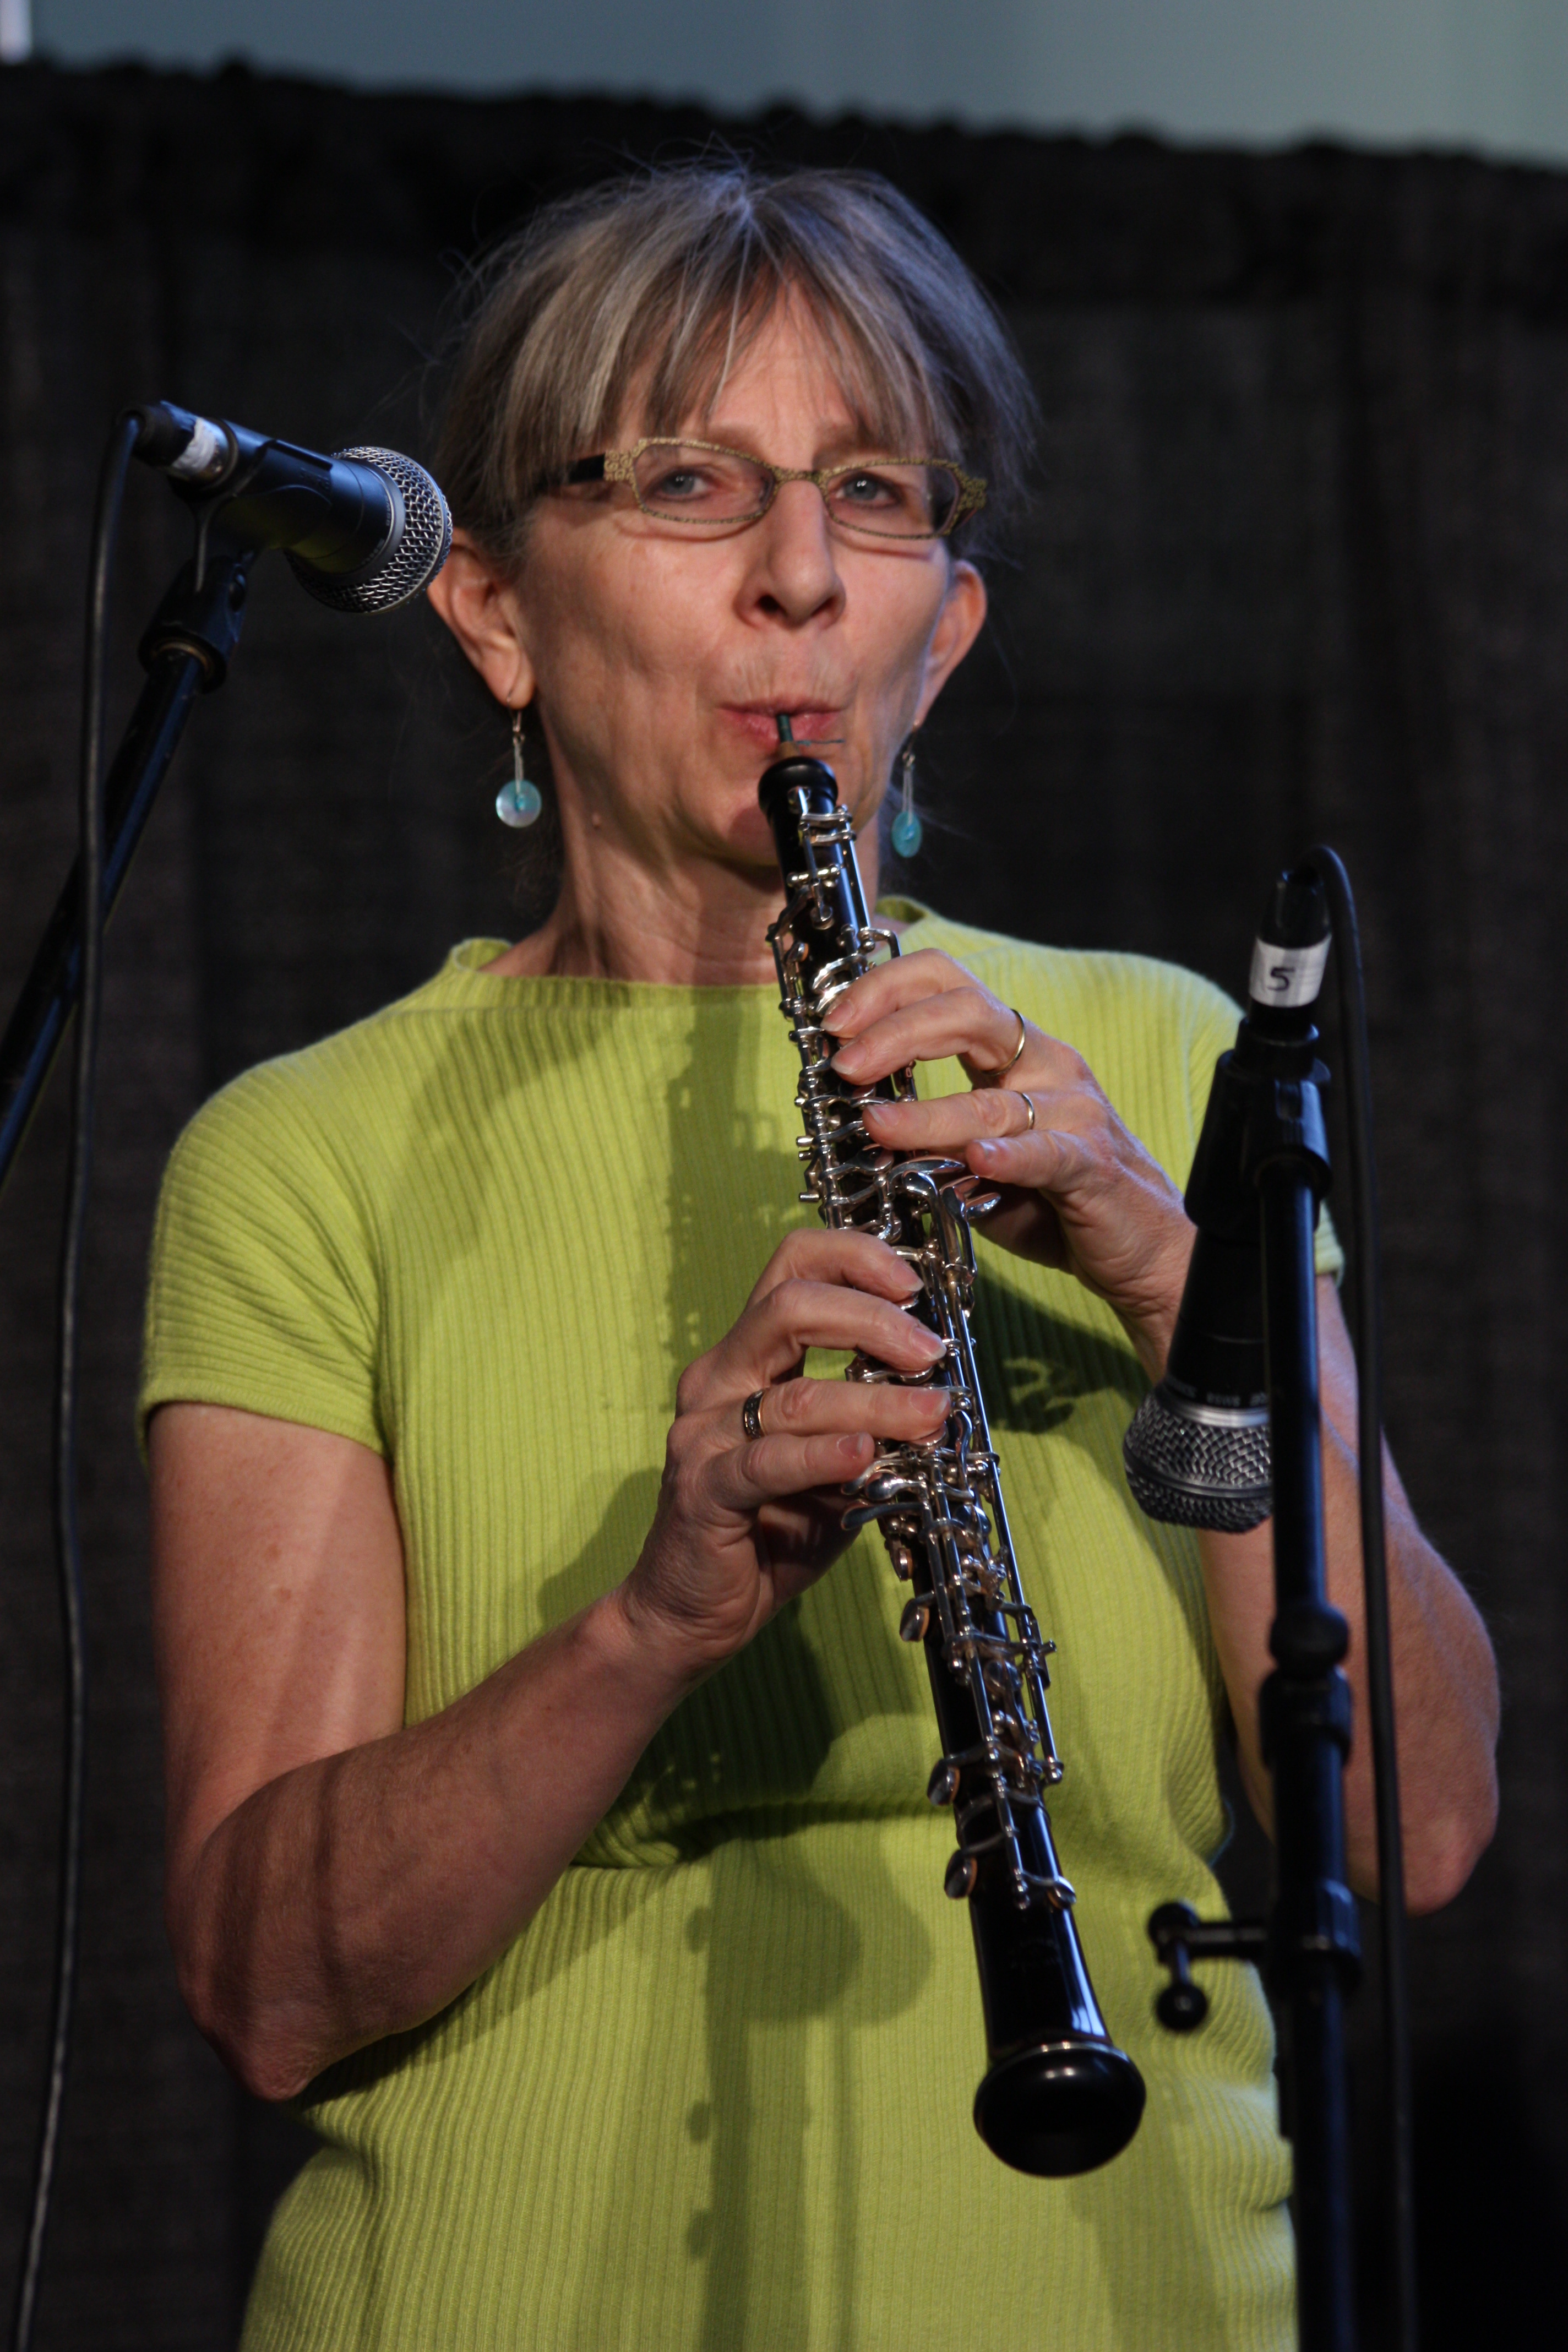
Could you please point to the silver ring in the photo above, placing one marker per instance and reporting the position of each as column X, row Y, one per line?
column 1028, row 1103
column 752, row 1414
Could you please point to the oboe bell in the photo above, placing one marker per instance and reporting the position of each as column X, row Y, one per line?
column 1058, row 2096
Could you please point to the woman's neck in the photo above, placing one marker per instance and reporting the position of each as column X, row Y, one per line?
column 694, row 923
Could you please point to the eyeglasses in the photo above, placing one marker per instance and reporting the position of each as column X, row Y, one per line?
column 712, row 489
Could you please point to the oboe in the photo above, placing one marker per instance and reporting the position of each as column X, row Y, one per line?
column 1058, row 2096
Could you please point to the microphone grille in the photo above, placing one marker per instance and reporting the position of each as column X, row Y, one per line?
column 1199, row 1469
column 414, row 555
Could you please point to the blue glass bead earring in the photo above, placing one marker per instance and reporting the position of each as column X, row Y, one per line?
column 908, row 829
column 518, row 801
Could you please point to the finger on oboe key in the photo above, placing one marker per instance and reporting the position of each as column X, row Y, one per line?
column 774, row 1335
column 857, row 1261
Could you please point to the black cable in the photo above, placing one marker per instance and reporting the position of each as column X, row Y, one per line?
column 68, row 1540
column 1391, row 1938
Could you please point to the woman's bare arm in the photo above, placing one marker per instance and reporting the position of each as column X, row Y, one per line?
column 331, row 1875
column 1446, row 1689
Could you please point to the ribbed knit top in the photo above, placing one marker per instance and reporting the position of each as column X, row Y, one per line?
column 718, row 2094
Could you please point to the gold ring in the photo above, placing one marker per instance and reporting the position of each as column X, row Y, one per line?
column 994, row 1077
column 1028, row 1103
column 1018, row 1050
column 752, row 1414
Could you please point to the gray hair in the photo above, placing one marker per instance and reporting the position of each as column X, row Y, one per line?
column 658, row 282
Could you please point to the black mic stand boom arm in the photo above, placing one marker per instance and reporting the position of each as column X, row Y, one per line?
column 185, row 652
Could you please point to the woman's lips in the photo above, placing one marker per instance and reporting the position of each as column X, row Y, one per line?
column 760, row 725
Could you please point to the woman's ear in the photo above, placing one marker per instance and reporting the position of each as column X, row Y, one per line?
column 475, row 599
column 959, row 622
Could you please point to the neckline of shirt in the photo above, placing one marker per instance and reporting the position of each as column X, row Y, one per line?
column 463, row 978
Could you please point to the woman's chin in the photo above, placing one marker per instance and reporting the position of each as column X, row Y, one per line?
column 749, row 840
column 728, row 821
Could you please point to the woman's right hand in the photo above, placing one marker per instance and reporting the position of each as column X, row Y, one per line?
column 746, row 1524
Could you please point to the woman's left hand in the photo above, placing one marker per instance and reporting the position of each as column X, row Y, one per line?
column 1078, row 1190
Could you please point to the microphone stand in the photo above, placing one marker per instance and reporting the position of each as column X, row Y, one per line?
column 186, row 653
column 1261, row 1170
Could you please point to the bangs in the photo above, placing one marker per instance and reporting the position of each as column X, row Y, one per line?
column 684, row 369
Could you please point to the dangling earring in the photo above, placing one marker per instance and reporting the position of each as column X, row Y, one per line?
column 908, row 830
column 518, row 801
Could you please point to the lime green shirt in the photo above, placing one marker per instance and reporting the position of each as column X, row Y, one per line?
column 718, row 2092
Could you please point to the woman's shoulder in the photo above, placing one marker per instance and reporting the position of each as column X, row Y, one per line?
column 1068, row 991
column 268, row 1251
column 265, row 1280
column 337, row 1099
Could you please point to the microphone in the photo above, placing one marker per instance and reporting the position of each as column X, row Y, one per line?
column 363, row 530
column 1197, row 1452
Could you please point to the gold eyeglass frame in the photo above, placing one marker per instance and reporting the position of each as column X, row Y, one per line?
column 620, row 466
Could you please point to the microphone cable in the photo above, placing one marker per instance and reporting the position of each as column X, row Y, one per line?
column 1392, row 1942
column 67, row 1527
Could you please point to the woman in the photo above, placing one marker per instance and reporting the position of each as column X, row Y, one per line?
column 550, row 1825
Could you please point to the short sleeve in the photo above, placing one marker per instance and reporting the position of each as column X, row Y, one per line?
column 1214, row 1035
column 262, row 1291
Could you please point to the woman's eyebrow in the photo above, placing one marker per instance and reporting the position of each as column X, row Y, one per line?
column 852, row 444
column 834, row 449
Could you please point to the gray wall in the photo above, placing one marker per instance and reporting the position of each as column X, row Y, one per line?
column 1491, row 74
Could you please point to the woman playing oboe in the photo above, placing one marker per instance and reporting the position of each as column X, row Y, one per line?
column 546, row 1782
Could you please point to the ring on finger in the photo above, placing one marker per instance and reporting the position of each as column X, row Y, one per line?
column 752, row 1414
column 1028, row 1103
column 994, row 1077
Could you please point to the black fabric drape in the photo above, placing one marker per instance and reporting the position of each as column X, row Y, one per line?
column 1300, row 568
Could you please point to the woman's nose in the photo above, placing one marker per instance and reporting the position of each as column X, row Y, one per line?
column 796, row 571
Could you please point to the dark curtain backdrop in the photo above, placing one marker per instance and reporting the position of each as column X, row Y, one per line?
column 1300, row 568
